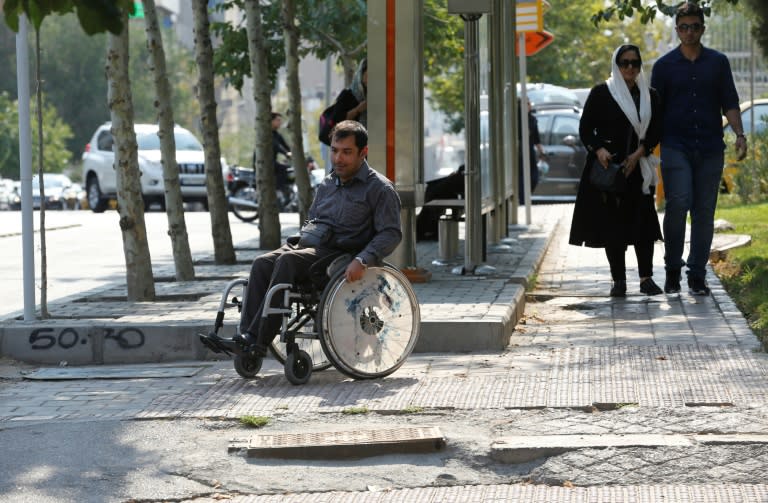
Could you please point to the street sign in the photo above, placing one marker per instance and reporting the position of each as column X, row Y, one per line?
column 528, row 16
column 138, row 10
column 534, row 42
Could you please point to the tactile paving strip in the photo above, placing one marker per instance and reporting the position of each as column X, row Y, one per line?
column 534, row 493
column 650, row 376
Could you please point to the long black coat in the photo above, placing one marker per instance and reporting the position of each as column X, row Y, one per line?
column 600, row 218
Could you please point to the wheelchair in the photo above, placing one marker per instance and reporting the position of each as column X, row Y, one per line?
column 366, row 329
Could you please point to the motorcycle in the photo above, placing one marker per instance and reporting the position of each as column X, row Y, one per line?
column 244, row 195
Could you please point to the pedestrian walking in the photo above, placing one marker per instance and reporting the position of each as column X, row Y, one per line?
column 534, row 147
column 620, row 124
column 696, row 88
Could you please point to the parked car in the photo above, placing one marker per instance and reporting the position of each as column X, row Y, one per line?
column 549, row 95
column 100, row 177
column 6, row 193
column 760, row 110
column 564, row 151
column 56, row 187
column 14, row 200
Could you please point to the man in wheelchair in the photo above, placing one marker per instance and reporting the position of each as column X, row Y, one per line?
column 356, row 210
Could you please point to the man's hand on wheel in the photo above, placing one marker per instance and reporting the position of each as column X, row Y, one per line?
column 355, row 271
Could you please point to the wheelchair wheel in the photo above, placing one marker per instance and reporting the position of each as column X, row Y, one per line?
column 368, row 328
column 248, row 366
column 298, row 367
column 313, row 347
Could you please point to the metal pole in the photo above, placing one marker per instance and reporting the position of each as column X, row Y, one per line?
column 473, row 230
column 524, row 149
column 323, row 147
column 25, row 158
column 510, row 113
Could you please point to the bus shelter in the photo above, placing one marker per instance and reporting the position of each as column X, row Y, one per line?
column 396, row 95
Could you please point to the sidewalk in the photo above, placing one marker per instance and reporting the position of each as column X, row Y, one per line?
column 681, row 374
column 459, row 313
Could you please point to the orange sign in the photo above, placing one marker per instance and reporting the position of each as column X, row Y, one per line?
column 534, row 42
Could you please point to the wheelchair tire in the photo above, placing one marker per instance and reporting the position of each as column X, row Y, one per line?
column 248, row 366
column 370, row 327
column 298, row 367
column 313, row 347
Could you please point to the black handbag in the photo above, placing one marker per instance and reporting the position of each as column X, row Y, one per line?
column 612, row 178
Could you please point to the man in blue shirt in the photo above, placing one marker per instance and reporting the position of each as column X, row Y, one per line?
column 355, row 210
column 696, row 87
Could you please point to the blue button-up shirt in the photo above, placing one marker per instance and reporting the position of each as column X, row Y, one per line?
column 364, row 213
column 694, row 97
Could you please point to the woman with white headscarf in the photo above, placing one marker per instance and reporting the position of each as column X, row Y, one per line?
column 621, row 123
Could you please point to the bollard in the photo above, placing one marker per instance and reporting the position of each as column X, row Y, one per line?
column 448, row 237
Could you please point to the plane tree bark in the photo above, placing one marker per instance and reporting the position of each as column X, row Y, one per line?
column 223, row 249
column 130, row 205
column 291, row 36
column 174, row 203
column 269, row 222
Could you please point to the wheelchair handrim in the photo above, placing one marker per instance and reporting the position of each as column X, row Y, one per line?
column 377, row 325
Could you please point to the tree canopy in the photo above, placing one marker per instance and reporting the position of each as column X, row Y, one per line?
column 95, row 16
column 628, row 8
column 72, row 69
column 55, row 136
column 326, row 27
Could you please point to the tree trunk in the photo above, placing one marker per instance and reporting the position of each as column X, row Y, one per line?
column 44, row 314
column 224, row 251
column 174, row 204
column 269, row 221
column 291, row 36
column 350, row 67
column 138, row 264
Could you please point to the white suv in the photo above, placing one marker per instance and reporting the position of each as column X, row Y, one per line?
column 99, row 171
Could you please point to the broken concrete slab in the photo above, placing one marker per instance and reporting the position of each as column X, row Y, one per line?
column 342, row 444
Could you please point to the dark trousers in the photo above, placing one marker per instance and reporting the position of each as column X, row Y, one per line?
column 287, row 264
column 644, row 254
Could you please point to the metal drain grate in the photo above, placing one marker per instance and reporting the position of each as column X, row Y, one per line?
column 342, row 444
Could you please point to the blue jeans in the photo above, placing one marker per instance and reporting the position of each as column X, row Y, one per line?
column 691, row 184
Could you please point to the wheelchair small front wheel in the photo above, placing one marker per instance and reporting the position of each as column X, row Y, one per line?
column 298, row 367
column 248, row 366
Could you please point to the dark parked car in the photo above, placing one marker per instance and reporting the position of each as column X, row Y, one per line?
column 565, row 154
column 57, row 191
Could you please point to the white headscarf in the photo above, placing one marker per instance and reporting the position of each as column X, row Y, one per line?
column 620, row 92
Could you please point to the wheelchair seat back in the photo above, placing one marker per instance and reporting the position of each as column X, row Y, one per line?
column 321, row 272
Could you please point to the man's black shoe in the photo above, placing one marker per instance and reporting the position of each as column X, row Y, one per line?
column 649, row 287
column 619, row 288
column 698, row 286
column 209, row 342
column 218, row 344
column 672, row 283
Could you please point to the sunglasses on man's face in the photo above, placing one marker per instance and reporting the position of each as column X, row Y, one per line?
column 626, row 63
column 694, row 27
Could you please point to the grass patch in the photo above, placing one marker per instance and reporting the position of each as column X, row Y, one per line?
column 744, row 273
column 412, row 409
column 532, row 282
column 355, row 410
column 254, row 421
